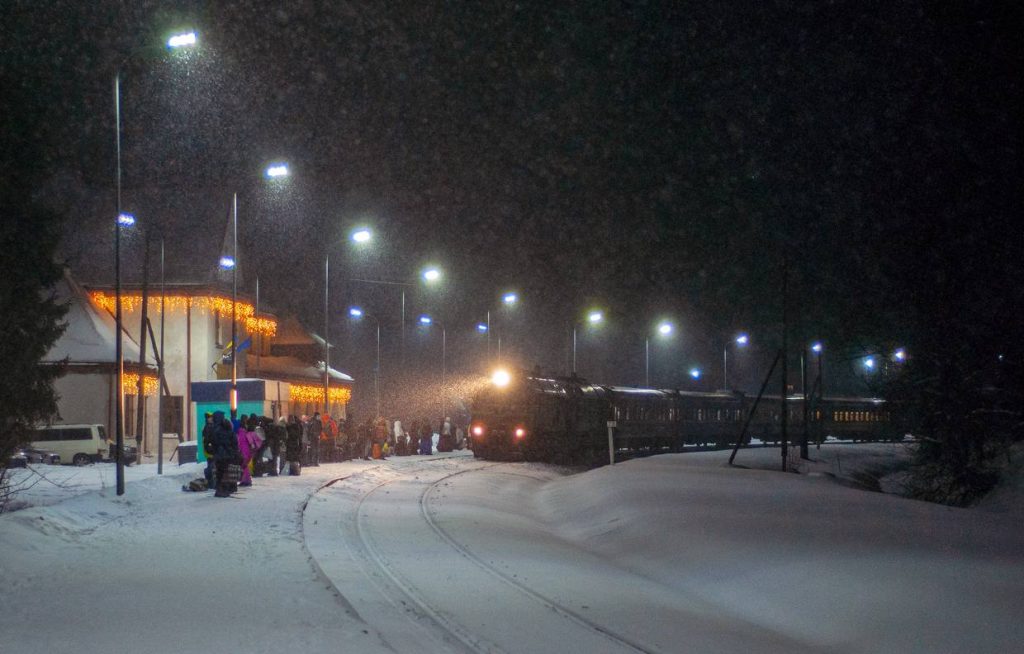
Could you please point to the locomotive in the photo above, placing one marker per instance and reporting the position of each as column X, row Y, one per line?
column 565, row 420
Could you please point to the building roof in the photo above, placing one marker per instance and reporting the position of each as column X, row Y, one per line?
column 291, row 332
column 291, row 369
column 90, row 334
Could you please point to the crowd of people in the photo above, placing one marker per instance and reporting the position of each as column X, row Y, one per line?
column 237, row 450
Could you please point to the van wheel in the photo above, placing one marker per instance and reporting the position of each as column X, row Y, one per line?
column 81, row 459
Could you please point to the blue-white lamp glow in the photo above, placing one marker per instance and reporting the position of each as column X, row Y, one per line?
column 425, row 320
column 182, row 40
column 665, row 328
column 595, row 317
column 695, row 373
column 126, row 220
column 276, row 170
column 431, row 274
column 227, row 263
column 482, row 327
column 742, row 339
column 510, row 298
column 900, row 355
column 817, row 347
column 362, row 235
column 355, row 312
column 869, row 363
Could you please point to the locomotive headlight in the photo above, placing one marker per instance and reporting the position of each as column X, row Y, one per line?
column 478, row 430
column 520, row 432
column 501, row 378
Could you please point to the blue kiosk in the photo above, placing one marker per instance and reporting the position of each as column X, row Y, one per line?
column 263, row 397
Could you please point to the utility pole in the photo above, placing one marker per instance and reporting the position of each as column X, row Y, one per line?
column 784, row 418
column 140, row 408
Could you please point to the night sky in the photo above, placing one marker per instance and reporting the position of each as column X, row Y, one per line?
column 657, row 159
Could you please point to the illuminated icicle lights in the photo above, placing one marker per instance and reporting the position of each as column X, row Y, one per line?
column 222, row 305
column 314, row 394
column 130, row 384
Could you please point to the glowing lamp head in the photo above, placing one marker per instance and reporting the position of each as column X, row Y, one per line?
column 431, row 274
column 595, row 317
column 695, row 373
column 742, row 339
column 501, row 378
column 665, row 328
column 510, row 298
column 478, row 430
column 482, row 328
column 125, row 220
column 817, row 348
column 869, row 363
column 182, row 40
column 426, row 320
column 277, row 170
column 520, row 432
column 355, row 312
column 227, row 263
column 900, row 355
column 362, row 235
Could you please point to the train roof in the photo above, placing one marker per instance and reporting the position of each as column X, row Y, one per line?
column 580, row 386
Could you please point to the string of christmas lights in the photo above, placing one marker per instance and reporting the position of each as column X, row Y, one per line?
column 313, row 394
column 180, row 303
column 130, row 384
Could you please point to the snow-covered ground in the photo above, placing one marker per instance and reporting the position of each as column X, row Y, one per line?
column 674, row 553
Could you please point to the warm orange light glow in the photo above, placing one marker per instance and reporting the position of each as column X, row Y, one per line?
column 304, row 393
column 478, row 430
column 520, row 432
column 222, row 305
column 501, row 378
column 130, row 384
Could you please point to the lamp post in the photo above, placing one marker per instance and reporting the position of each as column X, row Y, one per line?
column 741, row 341
column 594, row 318
column 509, row 299
column 359, row 314
column 431, row 276
column 665, row 330
column 359, row 236
column 427, row 321
column 125, row 220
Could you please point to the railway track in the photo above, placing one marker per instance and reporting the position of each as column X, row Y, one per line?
column 409, row 606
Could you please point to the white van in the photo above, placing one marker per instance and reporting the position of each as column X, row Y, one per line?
column 76, row 444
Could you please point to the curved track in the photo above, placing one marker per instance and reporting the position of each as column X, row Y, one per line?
column 550, row 604
column 437, row 559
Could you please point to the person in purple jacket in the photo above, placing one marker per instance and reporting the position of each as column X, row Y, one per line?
column 248, row 445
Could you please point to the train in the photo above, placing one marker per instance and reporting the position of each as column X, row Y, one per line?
column 566, row 420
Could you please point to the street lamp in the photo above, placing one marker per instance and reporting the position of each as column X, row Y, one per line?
column 594, row 318
column 359, row 236
column 741, row 341
column 900, row 355
column 509, row 299
column 359, row 314
column 125, row 220
column 427, row 321
column 664, row 330
column 695, row 373
column 431, row 276
column 277, row 170
column 181, row 40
